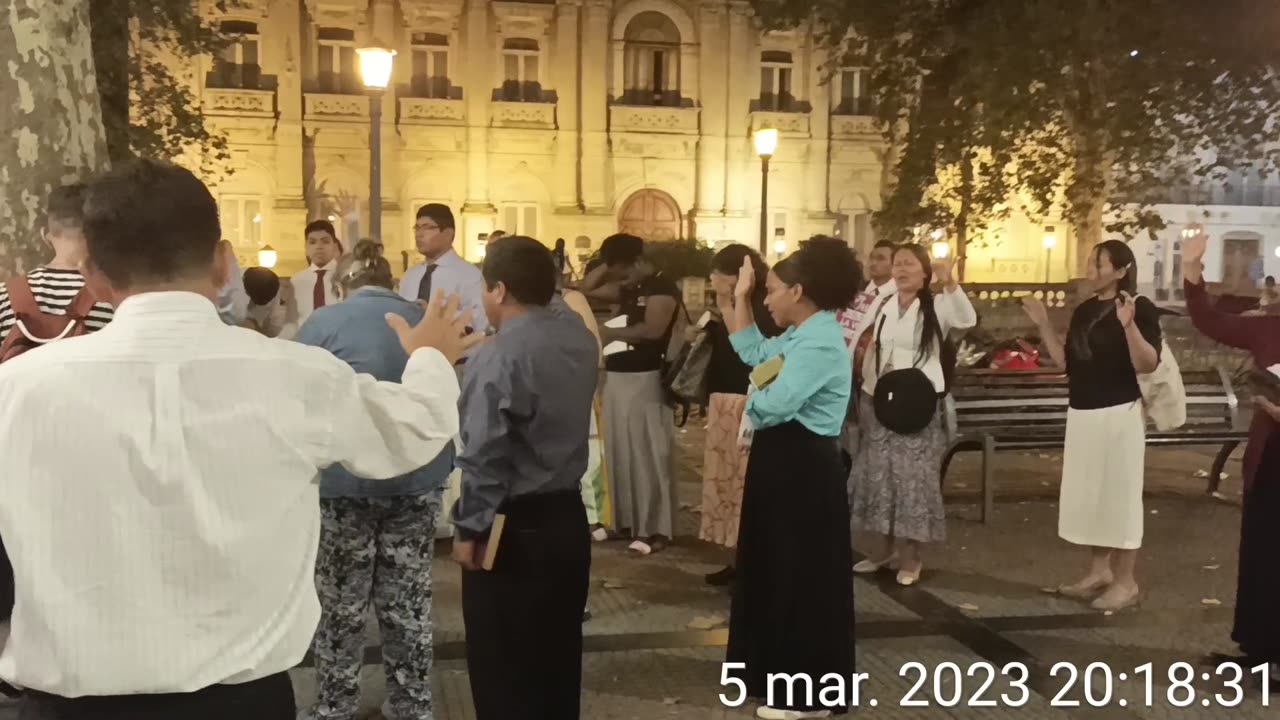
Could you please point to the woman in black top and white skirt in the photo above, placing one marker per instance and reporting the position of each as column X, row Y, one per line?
column 1113, row 337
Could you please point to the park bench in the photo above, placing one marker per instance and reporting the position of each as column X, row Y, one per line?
column 1025, row 410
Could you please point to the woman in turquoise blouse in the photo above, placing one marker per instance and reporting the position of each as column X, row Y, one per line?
column 793, row 601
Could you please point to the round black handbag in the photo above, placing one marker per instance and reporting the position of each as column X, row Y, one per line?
column 905, row 400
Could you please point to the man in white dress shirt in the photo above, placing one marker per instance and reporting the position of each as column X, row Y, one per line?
column 314, row 287
column 158, row 478
column 434, row 232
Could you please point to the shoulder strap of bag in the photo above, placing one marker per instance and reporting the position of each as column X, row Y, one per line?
column 83, row 303
column 21, row 300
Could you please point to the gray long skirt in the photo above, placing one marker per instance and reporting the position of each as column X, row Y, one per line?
column 895, row 483
column 639, row 432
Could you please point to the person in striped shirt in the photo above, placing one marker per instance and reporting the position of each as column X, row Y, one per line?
column 56, row 283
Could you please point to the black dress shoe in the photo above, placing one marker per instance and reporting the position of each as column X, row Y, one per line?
column 720, row 578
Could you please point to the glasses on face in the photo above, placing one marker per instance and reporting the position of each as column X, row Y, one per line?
column 426, row 227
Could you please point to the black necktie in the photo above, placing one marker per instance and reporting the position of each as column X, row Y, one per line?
column 424, row 287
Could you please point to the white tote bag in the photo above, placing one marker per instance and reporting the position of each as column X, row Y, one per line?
column 1164, row 397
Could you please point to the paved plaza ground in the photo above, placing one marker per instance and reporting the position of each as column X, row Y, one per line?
column 656, row 639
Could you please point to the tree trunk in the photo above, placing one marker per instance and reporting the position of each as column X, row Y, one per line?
column 109, row 30
column 962, row 217
column 51, row 119
column 1088, row 193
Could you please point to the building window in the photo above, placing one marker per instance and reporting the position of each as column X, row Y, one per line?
column 241, row 219
column 337, row 61
column 236, row 66
column 520, row 219
column 431, row 66
column 520, row 79
column 652, row 61
column 853, row 95
column 775, row 82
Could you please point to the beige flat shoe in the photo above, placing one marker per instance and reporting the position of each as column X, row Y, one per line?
column 907, row 579
column 1084, row 592
column 1116, row 603
column 868, row 566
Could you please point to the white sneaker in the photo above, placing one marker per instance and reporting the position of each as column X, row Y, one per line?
column 768, row 713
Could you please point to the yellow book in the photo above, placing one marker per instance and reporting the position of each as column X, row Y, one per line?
column 765, row 373
column 495, row 539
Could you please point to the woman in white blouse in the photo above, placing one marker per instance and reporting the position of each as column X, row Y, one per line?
column 896, row 495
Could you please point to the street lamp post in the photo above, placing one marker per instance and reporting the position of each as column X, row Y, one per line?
column 766, row 145
column 1050, row 241
column 375, row 69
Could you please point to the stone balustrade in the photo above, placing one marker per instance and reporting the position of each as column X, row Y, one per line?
column 644, row 119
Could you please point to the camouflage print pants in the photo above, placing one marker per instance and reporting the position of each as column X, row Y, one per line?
column 379, row 549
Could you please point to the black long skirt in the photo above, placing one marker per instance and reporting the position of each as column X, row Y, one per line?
column 1257, row 622
column 792, row 609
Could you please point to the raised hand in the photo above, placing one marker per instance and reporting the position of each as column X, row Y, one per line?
column 1125, row 309
column 1193, row 248
column 1035, row 310
column 441, row 328
column 746, row 279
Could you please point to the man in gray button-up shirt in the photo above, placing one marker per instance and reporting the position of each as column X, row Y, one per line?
column 526, row 413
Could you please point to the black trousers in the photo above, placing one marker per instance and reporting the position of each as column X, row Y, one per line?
column 270, row 698
column 524, row 618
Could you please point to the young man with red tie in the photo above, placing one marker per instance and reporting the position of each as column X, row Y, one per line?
column 314, row 288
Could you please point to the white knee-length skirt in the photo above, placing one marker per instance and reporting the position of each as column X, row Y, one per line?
column 1102, row 470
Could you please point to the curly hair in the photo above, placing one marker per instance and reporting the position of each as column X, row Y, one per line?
column 826, row 269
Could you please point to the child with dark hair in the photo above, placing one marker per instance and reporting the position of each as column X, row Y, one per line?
column 266, row 312
column 793, row 598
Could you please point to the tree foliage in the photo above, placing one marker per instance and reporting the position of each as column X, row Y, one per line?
column 1053, row 107
column 146, row 53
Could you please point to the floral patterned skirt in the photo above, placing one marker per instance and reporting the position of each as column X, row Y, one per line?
column 895, row 479
column 724, row 468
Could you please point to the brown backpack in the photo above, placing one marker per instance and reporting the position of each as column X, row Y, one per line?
column 33, row 327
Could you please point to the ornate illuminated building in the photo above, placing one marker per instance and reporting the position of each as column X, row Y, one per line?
column 576, row 119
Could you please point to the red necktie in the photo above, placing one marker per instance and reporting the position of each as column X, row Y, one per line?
column 317, row 293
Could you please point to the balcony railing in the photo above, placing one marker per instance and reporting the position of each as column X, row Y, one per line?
column 855, row 127
column 322, row 106
column 431, row 111
column 794, row 124
column 639, row 119
column 524, row 115
column 228, row 102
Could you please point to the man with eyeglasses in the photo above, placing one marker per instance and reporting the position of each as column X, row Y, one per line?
column 433, row 233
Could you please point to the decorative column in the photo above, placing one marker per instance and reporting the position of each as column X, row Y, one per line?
column 479, row 48
column 567, row 181
column 289, row 216
column 817, row 172
column 738, row 113
column 595, row 108
column 714, row 97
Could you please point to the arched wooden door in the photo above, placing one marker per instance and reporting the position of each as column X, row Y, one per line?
column 652, row 215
